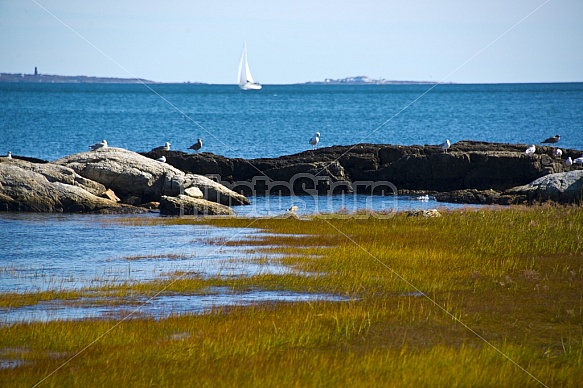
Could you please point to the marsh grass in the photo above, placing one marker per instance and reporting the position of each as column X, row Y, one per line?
column 488, row 297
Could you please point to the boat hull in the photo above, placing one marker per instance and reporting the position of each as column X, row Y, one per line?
column 250, row 86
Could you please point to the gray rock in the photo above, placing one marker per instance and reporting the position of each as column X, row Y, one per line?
column 214, row 191
column 127, row 173
column 62, row 174
column 139, row 179
column 563, row 187
column 26, row 188
column 186, row 205
column 194, row 192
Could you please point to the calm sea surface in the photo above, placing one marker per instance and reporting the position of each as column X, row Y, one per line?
column 49, row 121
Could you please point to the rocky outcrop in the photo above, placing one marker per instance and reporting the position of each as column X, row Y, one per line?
column 25, row 186
column 109, row 180
column 564, row 187
column 112, row 179
column 137, row 179
column 467, row 165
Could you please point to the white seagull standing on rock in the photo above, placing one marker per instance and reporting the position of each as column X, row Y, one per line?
column 162, row 159
column 569, row 162
column 530, row 150
column 579, row 160
column 196, row 146
column 559, row 152
column 446, row 144
column 9, row 156
column 314, row 140
column 97, row 146
column 165, row 147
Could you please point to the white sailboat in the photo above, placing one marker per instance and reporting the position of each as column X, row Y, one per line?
column 245, row 78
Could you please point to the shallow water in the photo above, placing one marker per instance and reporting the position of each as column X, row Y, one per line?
column 65, row 252
column 157, row 308
column 70, row 251
column 377, row 205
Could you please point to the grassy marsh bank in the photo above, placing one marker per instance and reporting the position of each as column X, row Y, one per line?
column 426, row 295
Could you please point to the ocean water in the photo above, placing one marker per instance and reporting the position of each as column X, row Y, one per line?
column 49, row 121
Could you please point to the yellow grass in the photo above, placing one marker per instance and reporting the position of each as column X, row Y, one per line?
column 474, row 298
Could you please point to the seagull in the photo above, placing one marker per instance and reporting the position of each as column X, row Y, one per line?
column 446, row 144
column 579, row 160
column 553, row 140
column 293, row 209
column 97, row 146
column 315, row 139
column 165, row 147
column 569, row 162
column 530, row 150
column 196, row 146
column 162, row 159
column 9, row 156
column 559, row 152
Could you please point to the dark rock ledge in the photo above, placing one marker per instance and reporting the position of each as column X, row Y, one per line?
column 115, row 180
column 470, row 172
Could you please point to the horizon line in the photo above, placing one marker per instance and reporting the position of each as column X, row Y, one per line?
column 326, row 81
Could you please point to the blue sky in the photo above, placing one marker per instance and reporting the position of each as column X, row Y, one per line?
column 296, row 41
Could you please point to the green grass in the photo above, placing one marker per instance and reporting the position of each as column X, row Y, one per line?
column 502, row 305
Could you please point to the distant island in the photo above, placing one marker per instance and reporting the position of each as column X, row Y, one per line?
column 364, row 80
column 48, row 78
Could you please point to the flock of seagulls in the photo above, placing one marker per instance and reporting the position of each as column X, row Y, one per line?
column 166, row 147
column 558, row 152
column 529, row 151
column 314, row 140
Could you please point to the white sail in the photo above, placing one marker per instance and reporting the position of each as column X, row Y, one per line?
column 246, row 81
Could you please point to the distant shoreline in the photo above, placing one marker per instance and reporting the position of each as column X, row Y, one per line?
column 50, row 78
column 80, row 79
column 355, row 81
